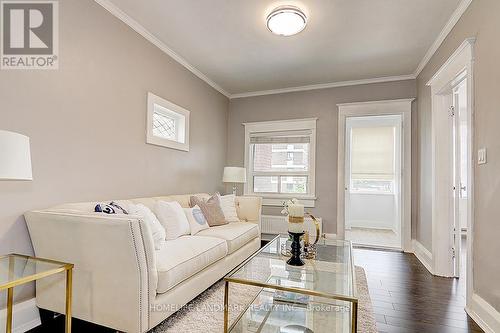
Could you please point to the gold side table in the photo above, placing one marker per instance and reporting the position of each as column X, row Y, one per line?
column 17, row 269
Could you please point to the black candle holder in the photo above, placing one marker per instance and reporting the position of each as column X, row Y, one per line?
column 295, row 260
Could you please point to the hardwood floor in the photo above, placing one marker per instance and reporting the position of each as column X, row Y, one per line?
column 407, row 298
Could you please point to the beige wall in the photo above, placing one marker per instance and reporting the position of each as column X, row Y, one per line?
column 481, row 20
column 87, row 121
column 314, row 103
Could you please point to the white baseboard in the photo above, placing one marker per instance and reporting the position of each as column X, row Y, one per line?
column 423, row 255
column 485, row 315
column 25, row 316
column 330, row 236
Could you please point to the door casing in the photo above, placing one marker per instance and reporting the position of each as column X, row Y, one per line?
column 442, row 82
column 377, row 108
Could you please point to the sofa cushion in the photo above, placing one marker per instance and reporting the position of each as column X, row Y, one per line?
column 235, row 234
column 181, row 258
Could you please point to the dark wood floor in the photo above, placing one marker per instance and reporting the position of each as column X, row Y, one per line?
column 407, row 298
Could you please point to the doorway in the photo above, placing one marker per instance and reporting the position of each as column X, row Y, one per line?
column 374, row 174
column 373, row 178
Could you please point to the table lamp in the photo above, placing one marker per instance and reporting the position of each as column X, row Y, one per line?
column 15, row 157
column 234, row 175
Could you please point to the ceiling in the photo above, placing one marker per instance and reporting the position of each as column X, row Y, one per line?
column 228, row 42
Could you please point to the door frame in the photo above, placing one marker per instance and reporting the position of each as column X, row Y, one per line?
column 462, row 60
column 401, row 107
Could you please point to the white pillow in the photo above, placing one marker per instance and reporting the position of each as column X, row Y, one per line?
column 197, row 220
column 228, row 205
column 157, row 230
column 172, row 218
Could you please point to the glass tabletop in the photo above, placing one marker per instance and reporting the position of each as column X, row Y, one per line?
column 17, row 269
column 330, row 274
column 268, row 315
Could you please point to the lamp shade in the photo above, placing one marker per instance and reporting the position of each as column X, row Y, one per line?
column 15, row 157
column 234, row 175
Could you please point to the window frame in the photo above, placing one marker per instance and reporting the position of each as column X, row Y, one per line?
column 277, row 199
column 171, row 110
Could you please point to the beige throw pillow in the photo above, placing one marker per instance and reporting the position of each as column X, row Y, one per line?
column 211, row 209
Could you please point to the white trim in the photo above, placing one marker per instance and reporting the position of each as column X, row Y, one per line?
column 485, row 315
column 275, row 123
column 423, row 255
column 278, row 202
column 137, row 27
column 279, row 126
column 324, row 86
column 442, row 223
column 388, row 107
column 467, row 43
column 25, row 316
column 457, row 14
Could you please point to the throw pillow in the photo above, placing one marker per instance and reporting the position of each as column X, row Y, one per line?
column 228, row 205
column 157, row 230
column 111, row 208
column 172, row 218
column 197, row 221
column 211, row 209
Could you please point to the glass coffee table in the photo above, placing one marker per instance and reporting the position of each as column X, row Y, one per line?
column 17, row 269
column 318, row 297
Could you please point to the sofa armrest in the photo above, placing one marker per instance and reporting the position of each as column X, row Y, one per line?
column 115, row 277
column 249, row 209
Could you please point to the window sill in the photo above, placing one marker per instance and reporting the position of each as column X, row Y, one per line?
column 278, row 200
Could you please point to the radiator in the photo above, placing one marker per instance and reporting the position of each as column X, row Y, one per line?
column 271, row 224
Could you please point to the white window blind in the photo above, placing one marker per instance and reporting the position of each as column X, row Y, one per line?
column 372, row 153
column 284, row 137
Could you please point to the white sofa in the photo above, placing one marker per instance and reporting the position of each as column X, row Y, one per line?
column 120, row 280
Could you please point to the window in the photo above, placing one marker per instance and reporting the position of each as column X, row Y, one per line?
column 280, row 159
column 373, row 159
column 167, row 124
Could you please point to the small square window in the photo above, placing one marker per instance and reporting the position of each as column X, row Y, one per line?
column 164, row 126
column 167, row 124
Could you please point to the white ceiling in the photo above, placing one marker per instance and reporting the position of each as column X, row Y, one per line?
column 227, row 40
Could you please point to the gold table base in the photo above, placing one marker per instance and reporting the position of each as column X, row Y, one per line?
column 64, row 267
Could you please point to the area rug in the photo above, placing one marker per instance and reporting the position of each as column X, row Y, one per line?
column 204, row 314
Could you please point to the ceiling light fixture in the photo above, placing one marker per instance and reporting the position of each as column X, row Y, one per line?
column 286, row 21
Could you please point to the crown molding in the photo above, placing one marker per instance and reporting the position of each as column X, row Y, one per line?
column 121, row 15
column 457, row 14
column 324, row 86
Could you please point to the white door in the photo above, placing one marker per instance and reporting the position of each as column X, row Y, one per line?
column 373, row 181
column 460, row 170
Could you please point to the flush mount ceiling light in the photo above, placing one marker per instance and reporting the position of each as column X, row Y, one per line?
column 286, row 21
